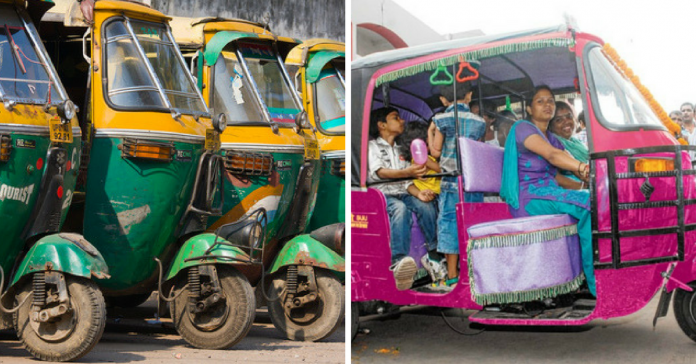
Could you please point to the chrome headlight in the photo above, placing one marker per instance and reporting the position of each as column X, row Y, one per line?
column 66, row 111
column 220, row 122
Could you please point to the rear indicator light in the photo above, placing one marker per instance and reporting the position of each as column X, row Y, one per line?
column 5, row 148
column 145, row 149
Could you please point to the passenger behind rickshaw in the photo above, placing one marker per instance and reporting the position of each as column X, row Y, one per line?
column 500, row 127
column 385, row 163
column 530, row 184
column 473, row 127
column 563, row 126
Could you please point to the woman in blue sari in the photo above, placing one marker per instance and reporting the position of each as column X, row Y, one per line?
column 531, row 184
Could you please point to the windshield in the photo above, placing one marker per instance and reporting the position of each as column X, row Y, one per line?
column 273, row 88
column 620, row 103
column 331, row 102
column 130, row 83
column 23, row 74
column 232, row 93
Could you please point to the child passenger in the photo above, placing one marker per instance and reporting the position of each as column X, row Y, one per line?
column 425, row 189
column 444, row 146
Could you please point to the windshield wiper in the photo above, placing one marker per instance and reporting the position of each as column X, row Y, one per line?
column 15, row 49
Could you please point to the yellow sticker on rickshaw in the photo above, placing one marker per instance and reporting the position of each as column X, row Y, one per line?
column 60, row 133
column 212, row 140
column 311, row 148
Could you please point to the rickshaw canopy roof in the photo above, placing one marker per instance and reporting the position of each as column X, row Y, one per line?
column 318, row 61
column 299, row 55
column 130, row 9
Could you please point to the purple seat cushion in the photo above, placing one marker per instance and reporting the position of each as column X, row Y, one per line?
column 524, row 259
column 482, row 166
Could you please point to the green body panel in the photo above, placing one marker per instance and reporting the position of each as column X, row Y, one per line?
column 318, row 61
column 57, row 254
column 197, row 246
column 133, row 208
column 304, row 250
column 218, row 42
column 20, row 183
column 19, row 174
column 330, row 207
column 274, row 193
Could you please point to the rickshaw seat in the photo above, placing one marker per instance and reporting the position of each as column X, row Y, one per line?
column 541, row 253
column 482, row 166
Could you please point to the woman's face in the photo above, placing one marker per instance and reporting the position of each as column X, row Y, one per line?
column 563, row 124
column 543, row 106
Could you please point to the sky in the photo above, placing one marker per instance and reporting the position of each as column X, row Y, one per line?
column 657, row 42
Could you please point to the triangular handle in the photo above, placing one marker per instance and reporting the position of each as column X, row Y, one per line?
column 466, row 65
column 441, row 68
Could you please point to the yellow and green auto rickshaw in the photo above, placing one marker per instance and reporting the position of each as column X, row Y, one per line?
column 271, row 159
column 153, row 172
column 51, row 300
column 320, row 80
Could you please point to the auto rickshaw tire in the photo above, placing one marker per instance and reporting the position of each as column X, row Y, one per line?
column 129, row 301
column 329, row 313
column 89, row 320
column 684, row 312
column 240, row 303
column 355, row 320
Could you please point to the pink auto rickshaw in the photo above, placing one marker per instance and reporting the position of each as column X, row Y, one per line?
column 642, row 187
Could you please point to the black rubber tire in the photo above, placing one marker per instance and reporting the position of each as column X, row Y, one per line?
column 240, row 302
column 329, row 307
column 355, row 320
column 685, row 309
column 87, row 303
column 133, row 300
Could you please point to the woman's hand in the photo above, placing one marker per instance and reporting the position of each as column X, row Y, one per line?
column 583, row 172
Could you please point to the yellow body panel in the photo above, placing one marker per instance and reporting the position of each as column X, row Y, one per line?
column 260, row 135
column 105, row 117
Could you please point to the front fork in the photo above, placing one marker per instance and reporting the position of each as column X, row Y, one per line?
column 298, row 294
column 204, row 295
column 56, row 298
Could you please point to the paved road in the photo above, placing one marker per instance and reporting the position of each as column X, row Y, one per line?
column 422, row 337
column 135, row 338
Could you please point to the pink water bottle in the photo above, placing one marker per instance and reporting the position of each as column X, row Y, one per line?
column 419, row 151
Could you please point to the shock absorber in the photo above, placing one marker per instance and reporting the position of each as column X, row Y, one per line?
column 194, row 281
column 290, row 285
column 39, row 286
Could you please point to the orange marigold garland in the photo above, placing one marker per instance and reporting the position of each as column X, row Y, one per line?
column 673, row 127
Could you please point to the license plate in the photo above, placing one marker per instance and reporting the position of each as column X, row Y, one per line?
column 311, row 148
column 60, row 133
column 212, row 140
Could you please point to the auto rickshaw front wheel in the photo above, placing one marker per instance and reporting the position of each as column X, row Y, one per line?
column 223, row 324
column 314, row 320
column 685, row 310
column 68, row 336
